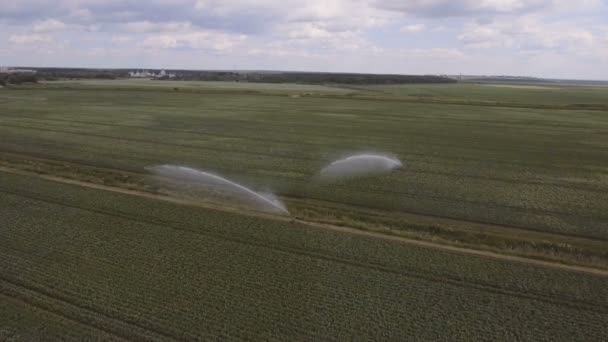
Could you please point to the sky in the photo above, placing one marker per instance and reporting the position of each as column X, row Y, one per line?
column 542, row 38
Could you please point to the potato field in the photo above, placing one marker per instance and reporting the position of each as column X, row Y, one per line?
column 92, row 248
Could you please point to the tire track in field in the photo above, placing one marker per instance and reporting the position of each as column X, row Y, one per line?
column 352, row 96
column 46, row 300
column 165, row 143
column 269, row 127
column 29, row 302
column 493, row 227
column 124, row 311
column 287, row 196
column 413, row 195
column 478, row 204
column 333, row 136
column 576, row 186
column 570, row 107
column 208, row 319
column 558, row 299
column 294, row 157
column 249, row 122
column 171, row 130
column 461, row 219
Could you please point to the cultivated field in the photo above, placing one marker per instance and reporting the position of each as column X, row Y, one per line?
column 106, row 264
column 540, row 169
column 512, row 170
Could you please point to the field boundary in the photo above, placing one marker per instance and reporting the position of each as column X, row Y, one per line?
column 73, row 311
column 342, row 229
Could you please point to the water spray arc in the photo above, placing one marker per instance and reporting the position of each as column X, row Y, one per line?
column 187, row 174
column 359, row 165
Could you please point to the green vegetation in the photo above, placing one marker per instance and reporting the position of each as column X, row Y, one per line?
column 18, row 78
column 139, row 268
column 523, row 167
column 515, row 169
column 167, row 85
column 546, row 95
column 77, row 73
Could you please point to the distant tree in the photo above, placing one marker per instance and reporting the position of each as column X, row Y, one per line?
column 7, row 79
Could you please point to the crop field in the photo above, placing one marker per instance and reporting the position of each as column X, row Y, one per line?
column 547, row 95
column 511, row 170
column 543, row 169
column 117, row 266
column 197, row 85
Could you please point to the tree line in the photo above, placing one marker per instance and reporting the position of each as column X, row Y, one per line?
column 17, row 78
column 245, row 76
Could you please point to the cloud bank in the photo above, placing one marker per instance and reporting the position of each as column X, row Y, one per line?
column 550, row 38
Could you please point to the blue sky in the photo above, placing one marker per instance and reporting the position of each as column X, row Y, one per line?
column 545, row 38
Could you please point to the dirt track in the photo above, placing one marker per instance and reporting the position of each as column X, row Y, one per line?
column 342, row 229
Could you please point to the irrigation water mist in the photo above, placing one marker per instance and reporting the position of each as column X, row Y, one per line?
column 359, row 165
column 190, row 177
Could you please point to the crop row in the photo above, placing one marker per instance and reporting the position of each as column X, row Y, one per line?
column 181, row 281
column 230, row 226
column 528, row 206
column 327, row 298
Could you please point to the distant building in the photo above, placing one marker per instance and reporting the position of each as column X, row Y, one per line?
column 6, row 70
column 141, row 74
column 163, row 73
column 147, row 74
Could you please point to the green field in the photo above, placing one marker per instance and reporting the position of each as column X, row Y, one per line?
column 517, row 170
column 524, row 167
column 525, row 95
column 95, row 262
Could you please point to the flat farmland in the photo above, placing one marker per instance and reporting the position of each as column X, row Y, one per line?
column 496, row 228
column 538, row 169
column 110, row 266
column 550, row 95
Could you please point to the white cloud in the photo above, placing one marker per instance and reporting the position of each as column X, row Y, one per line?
column 364, row 35
column 148, row 26
column 464, row 8
column 527, row 34
column 121, row 39
column 413, row 28
column 206, row 40
column 30, row 39
column 282, row 52
column 305, row 31
column 437, row 53
column 314, row 35
column 49, row 25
